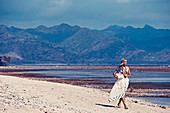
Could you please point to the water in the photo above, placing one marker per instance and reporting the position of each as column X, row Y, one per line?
column 106, row 76
column 156, row 100
column 153, row 77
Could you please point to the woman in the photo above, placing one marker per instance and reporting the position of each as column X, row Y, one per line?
column 118, row 91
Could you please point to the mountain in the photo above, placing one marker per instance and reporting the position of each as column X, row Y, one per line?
column 33, row 50
column 54, row 34
column 93, row 45
column 25, row 46
column 146, row 38
column 72, row 44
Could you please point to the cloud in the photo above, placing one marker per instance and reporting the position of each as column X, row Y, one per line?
column 57, row 2
column 56, row 7
column 123, row 1
column 88, row 13
column 32, row 9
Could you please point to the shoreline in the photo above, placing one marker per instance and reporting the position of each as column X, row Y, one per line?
column 28, row 95
column 135, row 89
column 41, row 67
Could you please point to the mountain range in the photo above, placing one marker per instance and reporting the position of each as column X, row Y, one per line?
column 76, row 45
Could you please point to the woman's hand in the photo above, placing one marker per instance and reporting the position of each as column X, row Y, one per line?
column 114, row 74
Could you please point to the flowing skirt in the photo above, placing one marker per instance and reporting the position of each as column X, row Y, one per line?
column 119, row 88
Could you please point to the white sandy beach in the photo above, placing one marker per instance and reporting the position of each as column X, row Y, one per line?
column 21, row 95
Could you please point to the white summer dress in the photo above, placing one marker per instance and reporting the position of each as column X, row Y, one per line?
column 120, row 86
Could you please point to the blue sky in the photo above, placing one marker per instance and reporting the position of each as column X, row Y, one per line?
column 94, row 14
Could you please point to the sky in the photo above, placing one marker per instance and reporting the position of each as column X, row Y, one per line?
column 94, row 14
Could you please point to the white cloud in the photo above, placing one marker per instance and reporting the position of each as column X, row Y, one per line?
column 55, row 3
column 54, row 8
column 123, row 1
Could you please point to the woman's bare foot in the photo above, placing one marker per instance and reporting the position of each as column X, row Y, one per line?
column 119, row 106
column 126, row 107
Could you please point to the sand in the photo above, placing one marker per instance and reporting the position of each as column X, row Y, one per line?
column 23, row 95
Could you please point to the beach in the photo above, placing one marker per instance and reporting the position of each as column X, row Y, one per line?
column 34, row 96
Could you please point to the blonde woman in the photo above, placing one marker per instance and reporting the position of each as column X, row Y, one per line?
column 118, row 91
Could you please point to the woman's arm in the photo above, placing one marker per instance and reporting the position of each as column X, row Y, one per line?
column 129, row 74
column 114, row 74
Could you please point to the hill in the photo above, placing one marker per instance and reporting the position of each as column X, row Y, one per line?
column 72, row 44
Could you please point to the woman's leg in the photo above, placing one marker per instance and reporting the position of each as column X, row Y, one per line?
column 123, row 100
column 119, row 102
